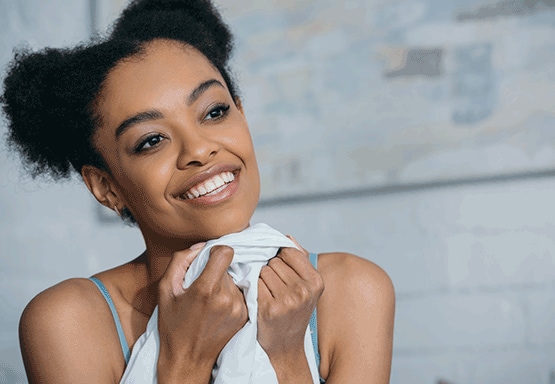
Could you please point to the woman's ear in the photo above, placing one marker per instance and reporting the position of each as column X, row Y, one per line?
column 101, row 185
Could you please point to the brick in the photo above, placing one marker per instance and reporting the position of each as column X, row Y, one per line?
column 509, row 258
column 434, row 323
column 541, row 307
column 504, row 206
column 513, row 365
column 418, row 369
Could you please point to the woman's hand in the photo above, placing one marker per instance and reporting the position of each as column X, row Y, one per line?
column 197, row 322
column 288, row 291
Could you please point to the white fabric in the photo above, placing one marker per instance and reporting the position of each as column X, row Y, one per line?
column 242, row 360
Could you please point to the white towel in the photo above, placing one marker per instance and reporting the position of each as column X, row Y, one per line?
column 242, row 360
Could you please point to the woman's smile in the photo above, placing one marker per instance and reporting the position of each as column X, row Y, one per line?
column 214, row 186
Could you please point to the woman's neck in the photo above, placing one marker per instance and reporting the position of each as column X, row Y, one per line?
column 158, row 255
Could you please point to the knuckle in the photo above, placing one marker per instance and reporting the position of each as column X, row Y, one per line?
column 204, row 292
column 290, row 302
column 275, row 262
column 318, row 282
column 222, row 251
column 267, row 311
column 302, row 293
column 286, row 252
column 239, row 311
column 272, row 312
column 264, row 271
column 224, row 302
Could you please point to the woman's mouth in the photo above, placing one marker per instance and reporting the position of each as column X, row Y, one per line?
column 211, row 186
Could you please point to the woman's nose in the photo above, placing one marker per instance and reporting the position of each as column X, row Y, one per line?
column 196, row 149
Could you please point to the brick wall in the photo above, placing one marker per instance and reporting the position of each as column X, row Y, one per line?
column 473, row 264
column 473, row 268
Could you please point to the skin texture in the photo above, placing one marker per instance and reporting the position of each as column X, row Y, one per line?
column 67, row 333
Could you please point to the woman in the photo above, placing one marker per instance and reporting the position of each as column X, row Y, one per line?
column 151, row 120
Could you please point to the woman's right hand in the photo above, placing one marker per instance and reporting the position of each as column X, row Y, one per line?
column 197, row 322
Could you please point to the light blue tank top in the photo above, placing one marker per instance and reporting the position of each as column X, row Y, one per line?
column 127, row 352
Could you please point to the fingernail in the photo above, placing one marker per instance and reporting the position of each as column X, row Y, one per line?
column 196, row 246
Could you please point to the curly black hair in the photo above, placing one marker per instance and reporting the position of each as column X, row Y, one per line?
column 49, row 96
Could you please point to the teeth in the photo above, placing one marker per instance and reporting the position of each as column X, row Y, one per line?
column 218, row 181
column 210, row 185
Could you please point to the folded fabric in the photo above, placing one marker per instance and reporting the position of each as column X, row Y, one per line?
column 242, row 360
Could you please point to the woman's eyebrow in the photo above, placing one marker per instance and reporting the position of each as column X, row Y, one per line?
column 199, row 90
column 140, row 117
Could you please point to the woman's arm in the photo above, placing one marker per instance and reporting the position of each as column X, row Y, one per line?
column 355, row 320
column 67, row 336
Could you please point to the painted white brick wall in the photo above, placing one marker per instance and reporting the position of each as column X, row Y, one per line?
column 473, row 270
column 473, row 266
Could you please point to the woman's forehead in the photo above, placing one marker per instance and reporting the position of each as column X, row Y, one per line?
column 162, row 59
column 162, row 71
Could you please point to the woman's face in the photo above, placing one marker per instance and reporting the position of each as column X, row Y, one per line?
column 178, row 148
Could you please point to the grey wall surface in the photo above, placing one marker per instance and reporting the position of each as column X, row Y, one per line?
column 473, row 261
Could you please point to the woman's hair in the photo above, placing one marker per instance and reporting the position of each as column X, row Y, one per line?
column 49, row 96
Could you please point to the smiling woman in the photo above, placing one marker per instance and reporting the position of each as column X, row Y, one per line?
column 170, row 133
column 152, row 122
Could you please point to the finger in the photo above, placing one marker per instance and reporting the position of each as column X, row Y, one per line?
column 303, row 268
column 217, row 265
column 264, row 293
column 271, row 280
column 174, row 275
column 287, row 275
column 297, row 262
column 297, row 244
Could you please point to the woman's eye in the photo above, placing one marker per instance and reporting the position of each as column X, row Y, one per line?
column 217, row 112
column 148, row 143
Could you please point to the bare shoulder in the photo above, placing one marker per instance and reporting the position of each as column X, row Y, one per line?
column 347, row 273
column 70, row 291
column 355, row 320
column 65, row 334
column 57, row 307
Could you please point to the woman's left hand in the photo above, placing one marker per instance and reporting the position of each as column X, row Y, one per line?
column 288, row 290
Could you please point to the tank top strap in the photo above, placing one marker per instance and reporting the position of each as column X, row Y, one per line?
column 123, row 342
column 314, row 318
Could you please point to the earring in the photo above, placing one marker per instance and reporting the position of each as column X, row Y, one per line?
column 117, row 210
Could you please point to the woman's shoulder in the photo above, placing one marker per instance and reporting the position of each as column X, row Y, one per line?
column 66, row 323
column 71, row 301
column 355, row 284
column 355, row 318
column 346, row 272
column 73, row 296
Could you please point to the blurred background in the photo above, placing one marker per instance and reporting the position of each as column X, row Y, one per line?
column 419, row 134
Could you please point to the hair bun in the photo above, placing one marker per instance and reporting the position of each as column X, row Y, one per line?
column 47, row 100
column 34, row 111
column 196, row 22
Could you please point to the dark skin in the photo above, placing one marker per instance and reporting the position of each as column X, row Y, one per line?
column 165, row 136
